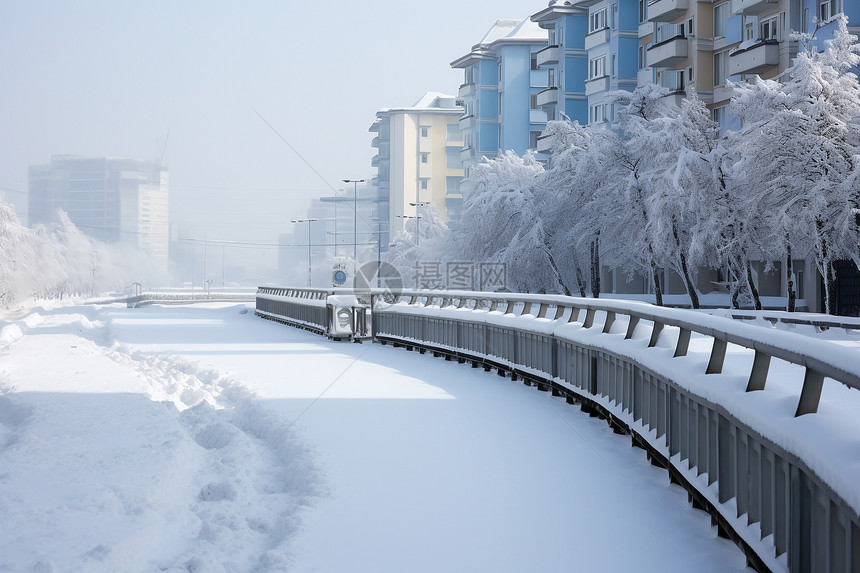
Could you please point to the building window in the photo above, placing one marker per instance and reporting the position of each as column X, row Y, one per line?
column 828, row 9
column 452, row 185
column 597, row 67
column 721, row 61
column 534, row 64
column 769, row 29
column 452, row 158
column 560, row 36
column 596, row 114
column 453, row 132
column 550, row 77
column 749, row 31
column 643, row 11
column 425, row 132
column 721, row 18
column 613, row 69
column 425, row 158
column 597, row 20
column 643, row 61
column 424, row 184
column 614, row 23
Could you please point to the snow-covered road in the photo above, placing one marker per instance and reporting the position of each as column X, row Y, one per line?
column 203, row 438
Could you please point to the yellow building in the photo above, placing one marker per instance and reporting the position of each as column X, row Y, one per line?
column 418, row 159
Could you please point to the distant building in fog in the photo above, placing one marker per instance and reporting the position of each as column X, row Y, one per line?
column 110, row 199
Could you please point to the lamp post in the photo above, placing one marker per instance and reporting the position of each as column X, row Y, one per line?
column 418, row 205
column 308, row 221
column 405, row 217
column 355, row 183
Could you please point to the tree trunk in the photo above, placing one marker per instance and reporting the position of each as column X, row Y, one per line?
column 580, row 280
column 658, row 291
column 733, row 286
column 595, row 267
column 685, row 271
column 828, row 288
column 554, row 267
column 691, row 288
column 751, row 285
column 789, row 275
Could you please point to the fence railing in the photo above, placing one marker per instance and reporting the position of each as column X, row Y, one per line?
column 667, row 376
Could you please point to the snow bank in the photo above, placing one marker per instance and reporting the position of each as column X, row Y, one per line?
column 113, row 460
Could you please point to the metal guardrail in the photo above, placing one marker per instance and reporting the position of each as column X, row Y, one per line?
column 182, row 298
column 769, row 501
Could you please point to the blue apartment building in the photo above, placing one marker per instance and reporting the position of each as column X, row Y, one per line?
column 498, row 94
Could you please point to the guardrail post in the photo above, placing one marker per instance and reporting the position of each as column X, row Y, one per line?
column 631, row 327
column 574, row 314
column 559, row 310
column 655, row 334
column 510, row 307
column 811, row 393
column 607, row 324
column 683, row 343
column 589, row 318
column 494, row 305
column 758, row 376
column 718, row 356
column 543, row 308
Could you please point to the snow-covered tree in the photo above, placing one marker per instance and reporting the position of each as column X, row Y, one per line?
column 424, row 241
column 626, row 210
column 581, row 167
column 502, row 223
column 800, row 149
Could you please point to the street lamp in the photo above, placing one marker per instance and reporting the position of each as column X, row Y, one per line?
column 417, row 205
column 354, row 216
column 308, row 221
column 418, row 217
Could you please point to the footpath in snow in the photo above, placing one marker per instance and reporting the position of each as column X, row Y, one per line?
column 203, row 438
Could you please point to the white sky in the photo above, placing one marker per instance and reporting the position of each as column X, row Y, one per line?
column 113, row 78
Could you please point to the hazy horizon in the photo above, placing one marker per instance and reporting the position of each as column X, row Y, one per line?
column 186, row 81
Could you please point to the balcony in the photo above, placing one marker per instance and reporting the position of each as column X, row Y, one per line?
column 596, row 85
column 753, row 7
column 466, row 90
column 645, row 76
column 596, row 38
column 545, row 143
column 537, row 116
column 668, row 53
column 755, row 59
column 467, row 154
column 548, row 56
column 374, row 162
column 676, row 97
column 374, row 142
column 548, row 96
column 666, row 10
column 722, row 93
